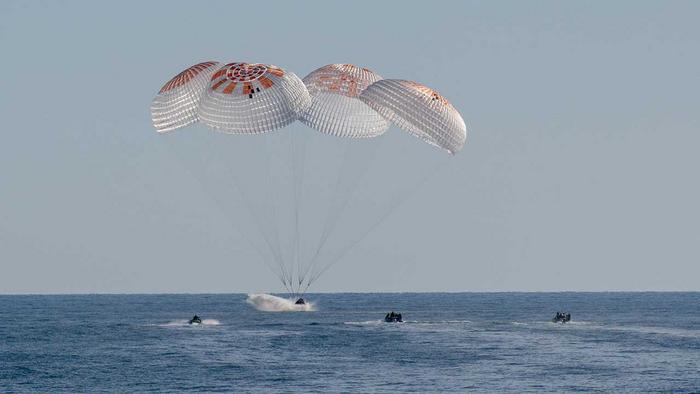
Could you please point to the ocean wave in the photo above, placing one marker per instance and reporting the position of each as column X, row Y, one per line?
column 412, row 322
column 364, row 323
column 650, row 330
column 664, row 331
column 439, row 321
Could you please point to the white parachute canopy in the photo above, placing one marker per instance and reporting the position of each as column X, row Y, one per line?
column 176, row 104
column 335, row 105
column 245, row 98
column 418, row 110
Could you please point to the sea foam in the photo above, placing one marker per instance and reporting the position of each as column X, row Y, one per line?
column 186, row 323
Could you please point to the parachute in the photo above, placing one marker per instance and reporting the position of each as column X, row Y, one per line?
column 336, row 108
column 255, row 98
column 303, row 199
column 177, row 103
column 419, row 110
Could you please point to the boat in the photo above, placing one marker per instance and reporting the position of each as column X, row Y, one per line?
column 562, row 317
column 393, row 317
column 195, row 320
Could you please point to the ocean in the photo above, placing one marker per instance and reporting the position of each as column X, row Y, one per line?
column 449, row 342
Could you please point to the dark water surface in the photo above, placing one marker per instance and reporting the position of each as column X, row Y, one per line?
column 630, row 342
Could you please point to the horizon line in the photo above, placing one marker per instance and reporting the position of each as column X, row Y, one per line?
column 360, row 292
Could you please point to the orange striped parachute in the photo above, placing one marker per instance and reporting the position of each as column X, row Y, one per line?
column 336, row 108
column 244, row 98
column 177, row 103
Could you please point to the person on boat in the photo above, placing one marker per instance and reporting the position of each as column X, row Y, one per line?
column 196, row 319
column 393, row 317
column 562, row 317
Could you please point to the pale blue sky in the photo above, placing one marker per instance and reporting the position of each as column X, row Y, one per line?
column 580, row 170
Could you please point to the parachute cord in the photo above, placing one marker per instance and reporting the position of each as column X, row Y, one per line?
column 283, row 265
column 258, row 222
column 292, row 152
column 298, row 203
column 306, row 288
column 295, row 192
column 346, row 199
column 276, row 253
column 245, row 235
column 382, row 218
column 333, row 217
column 257, row 249
column 332, row 213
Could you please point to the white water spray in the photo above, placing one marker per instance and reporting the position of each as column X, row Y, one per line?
column 186, row 323
column 270, row 303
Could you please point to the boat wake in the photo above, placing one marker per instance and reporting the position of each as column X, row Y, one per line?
column 270, row 303
column 186, row 323
column 412, row 322
column 660, row 331
column 364, row 323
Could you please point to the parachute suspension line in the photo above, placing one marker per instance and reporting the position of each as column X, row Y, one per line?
column 294, row 257
column 382, row 218
column 298, row 169
column 294, row 264
column 258, row 222
column 329, row 217
column 218, row 203
column 334, row 217
column 269, row 193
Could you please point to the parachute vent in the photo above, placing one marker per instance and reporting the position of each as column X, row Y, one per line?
column 244, row 98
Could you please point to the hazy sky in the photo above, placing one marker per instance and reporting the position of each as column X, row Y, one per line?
column 580, row 170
